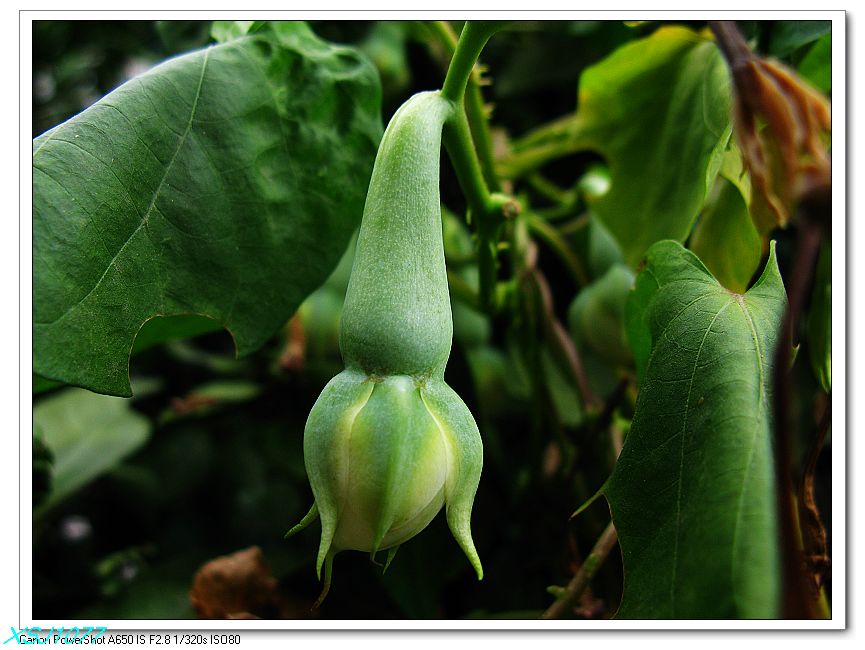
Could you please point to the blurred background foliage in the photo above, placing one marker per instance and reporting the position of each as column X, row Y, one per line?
column 133, row 497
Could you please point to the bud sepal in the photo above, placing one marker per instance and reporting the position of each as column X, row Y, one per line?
column 384, row 455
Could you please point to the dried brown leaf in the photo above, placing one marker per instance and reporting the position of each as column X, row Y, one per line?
column 234, row 586
column 782, row 126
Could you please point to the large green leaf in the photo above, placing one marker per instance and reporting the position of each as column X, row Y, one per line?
column 87, row 435
column 659, row 110
column 692, row 494
column 223, row 183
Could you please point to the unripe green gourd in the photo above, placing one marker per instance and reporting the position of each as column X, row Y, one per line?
column 388, row 442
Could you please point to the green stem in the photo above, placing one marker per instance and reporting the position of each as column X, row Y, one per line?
column 560, row 246
column 552, row 131
column 457, row 134
column 556, row 139
column 545, row 187
column 478, row 119
column 474, row 105
column 486, row 210
column 472, row 40
column 525, row 162
column 460, row 148
column 446, row 36
column 570, row 595
column 561, row 344
column 575, row 225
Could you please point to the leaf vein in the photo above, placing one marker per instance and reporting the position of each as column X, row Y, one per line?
column 682, row 462
column 145, row 219
column 760, row 407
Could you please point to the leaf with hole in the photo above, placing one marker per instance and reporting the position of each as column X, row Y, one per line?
column 224, row 183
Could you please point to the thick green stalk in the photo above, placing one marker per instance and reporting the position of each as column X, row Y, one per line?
column 481, row 130
column 486, row 209
column 457, row 135
column 474, row 105
column 460, row 148
column 472, row 40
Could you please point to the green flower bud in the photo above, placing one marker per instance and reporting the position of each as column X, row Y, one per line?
column 384, row 455
column 388, row 443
